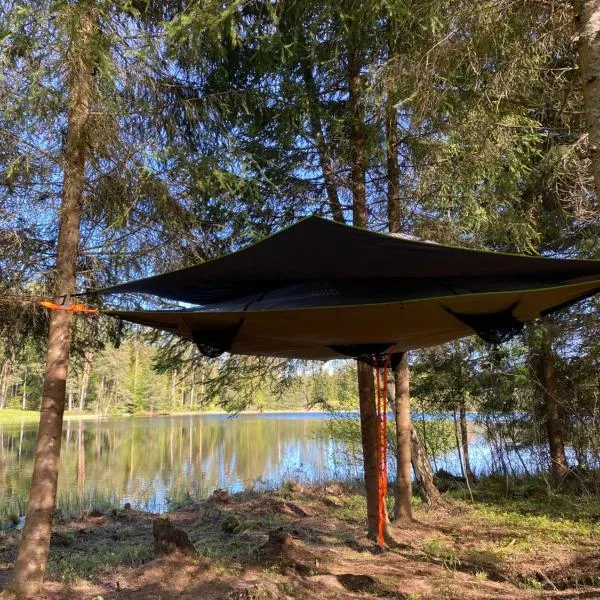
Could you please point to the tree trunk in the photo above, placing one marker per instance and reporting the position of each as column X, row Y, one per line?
column 173, row 384
column 5, row 375
column 31, row 561
column 547, row 376
column 368, row 430
column 366, row 386
column 393, row 169
column 358, row 160
column 588, row 25
column 24, row 403
column 423, row 473
column 464, row 435
column 402, row 508
column 85, row 379
column 316, row 127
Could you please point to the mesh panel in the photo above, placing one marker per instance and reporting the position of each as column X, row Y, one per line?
column 494, row 328
column 363, row 352
column 215, row 342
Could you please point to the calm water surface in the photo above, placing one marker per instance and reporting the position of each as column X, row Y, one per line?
column 148, row 461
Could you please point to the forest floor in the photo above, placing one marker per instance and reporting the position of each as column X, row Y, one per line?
column 309, row 543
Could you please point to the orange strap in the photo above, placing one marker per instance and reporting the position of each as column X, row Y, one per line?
column 382, row 474
column 79, row 308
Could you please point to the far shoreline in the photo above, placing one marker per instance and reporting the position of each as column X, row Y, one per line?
column 12, row 416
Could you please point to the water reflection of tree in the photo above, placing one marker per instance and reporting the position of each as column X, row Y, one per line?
column 135, row 457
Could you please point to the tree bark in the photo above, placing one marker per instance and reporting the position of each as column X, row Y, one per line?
column 423, row 473
column 85, row 379
column 368, row 430
column 4, row 377
column 314, row 114
column 24, row 402
column 464, row 441
column 588, row 25
column 402, row 508
column 366, row 386
column 547, row 376
column 32, row 558
column 358, row 160
column 393, row 169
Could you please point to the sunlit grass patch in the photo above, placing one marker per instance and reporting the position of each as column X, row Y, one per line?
column 353, row 508
column 69, row 565
column 15, row 416
column 437, row 551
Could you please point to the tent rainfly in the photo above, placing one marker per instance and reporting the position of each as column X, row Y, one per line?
column 322, row 290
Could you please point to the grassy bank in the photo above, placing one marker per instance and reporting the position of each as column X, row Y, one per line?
column 12, row 416
column 308, row 543
column 16, row 416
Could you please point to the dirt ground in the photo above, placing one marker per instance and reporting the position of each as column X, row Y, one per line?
column 310, row 544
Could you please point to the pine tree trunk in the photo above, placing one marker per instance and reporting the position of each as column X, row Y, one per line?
column 173, row 385
column 547, row 375
column 316, row 127
column 368, row 429
column 366, row 387
column 423, row 473
column 24, row 403
column 588, row 25
column 402, row 508
column 85, row 379
column 31, row 561
column 464, row 435
column 6, row 370
column 393, row 169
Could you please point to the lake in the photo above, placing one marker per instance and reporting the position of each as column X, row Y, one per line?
column 148, row 461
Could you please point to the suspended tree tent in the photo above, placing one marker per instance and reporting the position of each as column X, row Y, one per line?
column 322, row 290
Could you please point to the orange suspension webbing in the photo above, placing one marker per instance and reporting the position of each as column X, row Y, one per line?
column 382, row 475
column 79, row 308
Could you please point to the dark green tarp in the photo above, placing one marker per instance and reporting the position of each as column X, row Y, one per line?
column 323, row 290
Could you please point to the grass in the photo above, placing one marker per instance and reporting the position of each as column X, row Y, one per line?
column 66, row 565
column 69, row 505
column 16, row 416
